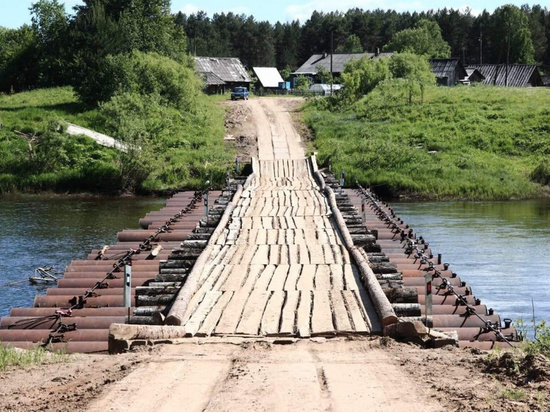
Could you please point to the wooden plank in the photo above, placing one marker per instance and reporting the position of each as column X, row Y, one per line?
column 248, row 255
column 265, row 278
column 292, row 277
column 269, row 325
column 349, row 280
column 327, row 253
column 293, row 257
column 316, row 255
column 252, row 276
column 337, row 277
column 272, row 236
column 231, row 316
column 341, row 318
column 356, row 314
column 204, row 308
column 235, row 278
column 253, row 313
column 261, row 257
column 305, row 281
column 370, row 314
column 303, row 314
column 303, row 254
column 283, row 255
column 274, row 252
column 322, row 278
column 321, row 316
column 213, row 317
column 279, row 277
column 261, row 237
column 337, row 254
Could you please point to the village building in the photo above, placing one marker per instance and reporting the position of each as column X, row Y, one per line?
column 269, row 79
column 332, row 63
column 509, row 75
column 448, row 72
column 221, row 74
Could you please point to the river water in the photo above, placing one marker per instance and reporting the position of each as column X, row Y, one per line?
column 502, row 249
column 39, row 231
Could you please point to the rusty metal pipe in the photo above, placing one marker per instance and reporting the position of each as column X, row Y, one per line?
column 31, row 323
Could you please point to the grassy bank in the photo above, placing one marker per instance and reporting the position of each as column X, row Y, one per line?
column 10, row 356
column 177, row 149
column 462, row 142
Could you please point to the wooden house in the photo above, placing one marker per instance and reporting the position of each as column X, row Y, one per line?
column 448, row 72
column 222, row 73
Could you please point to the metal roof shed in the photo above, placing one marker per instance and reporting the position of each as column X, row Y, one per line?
column 269, row 77
column 228, row 69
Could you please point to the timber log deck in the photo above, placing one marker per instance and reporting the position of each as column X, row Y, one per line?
column 282, row 253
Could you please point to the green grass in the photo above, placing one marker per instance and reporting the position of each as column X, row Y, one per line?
column 10, row 357
column 462, row 142
column 181, row 149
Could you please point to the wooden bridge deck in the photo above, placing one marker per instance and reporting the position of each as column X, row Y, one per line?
column 280, row 268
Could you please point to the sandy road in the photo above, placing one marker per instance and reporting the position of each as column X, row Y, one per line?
column 236, row 374
column 335, row 375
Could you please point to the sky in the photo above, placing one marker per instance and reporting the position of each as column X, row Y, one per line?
column 14, row 13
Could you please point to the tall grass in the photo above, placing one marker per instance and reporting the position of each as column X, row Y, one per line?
column 463, row 142
column 37, row 355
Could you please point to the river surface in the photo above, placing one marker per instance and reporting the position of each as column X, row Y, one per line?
column 39, row 231
column 502, row 249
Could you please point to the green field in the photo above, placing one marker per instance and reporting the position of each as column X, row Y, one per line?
column 178, row 149
column 462, row 142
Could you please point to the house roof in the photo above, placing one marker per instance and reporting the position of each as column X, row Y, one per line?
column 211, row 79
column 339, row 60
column 474, row 72
column 519, row 75
column 447, row 67
column 268, row 76
column 228, row 69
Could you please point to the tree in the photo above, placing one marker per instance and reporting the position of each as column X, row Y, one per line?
column 361, row 76
column 50, row 25
column 323, row 75
column 511, row 36
column 352, row 45
column 105, row 28
column 425, row 40
column 18, row 59
column 415, row 71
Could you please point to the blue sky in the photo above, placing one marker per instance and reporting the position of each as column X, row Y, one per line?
column 14, row 13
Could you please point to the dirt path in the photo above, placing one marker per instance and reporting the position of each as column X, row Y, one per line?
column 335, row 375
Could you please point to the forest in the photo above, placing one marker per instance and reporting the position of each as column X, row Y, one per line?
column 60, row 49
column 472, row 38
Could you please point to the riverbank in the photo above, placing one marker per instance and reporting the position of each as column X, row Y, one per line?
column 475, row 143
column 176, row 150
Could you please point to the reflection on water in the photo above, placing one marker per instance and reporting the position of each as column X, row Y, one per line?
column 502, row 249
column 38, row 231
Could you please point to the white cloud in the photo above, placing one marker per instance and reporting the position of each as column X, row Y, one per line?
column 189, row 9
column 473, row 12
column 303, row 12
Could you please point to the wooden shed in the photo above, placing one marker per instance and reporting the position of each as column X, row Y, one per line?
column 510, row 75
column 222, row 73
column 448, row 72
